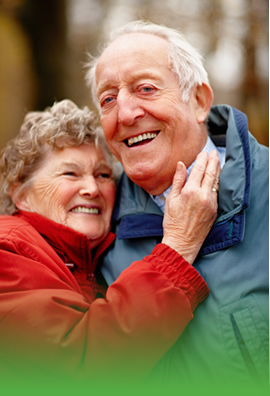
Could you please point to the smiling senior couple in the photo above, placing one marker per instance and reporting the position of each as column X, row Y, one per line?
column 155, row 109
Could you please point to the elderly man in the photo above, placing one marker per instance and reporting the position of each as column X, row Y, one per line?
column 155, row 104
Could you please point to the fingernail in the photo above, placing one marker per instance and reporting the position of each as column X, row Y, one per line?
column 179, row 166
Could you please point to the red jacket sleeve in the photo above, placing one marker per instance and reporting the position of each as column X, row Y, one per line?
column 47, row 328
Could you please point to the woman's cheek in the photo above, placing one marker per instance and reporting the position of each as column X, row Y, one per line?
column 56, row 208
column 47, row 200
column 59, row 215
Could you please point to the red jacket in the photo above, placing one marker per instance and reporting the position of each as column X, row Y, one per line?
column 53, row 324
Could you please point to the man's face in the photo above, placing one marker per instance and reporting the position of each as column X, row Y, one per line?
column 146, row 124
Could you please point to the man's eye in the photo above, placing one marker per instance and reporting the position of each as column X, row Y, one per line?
column 146, row 88
column 106, row 100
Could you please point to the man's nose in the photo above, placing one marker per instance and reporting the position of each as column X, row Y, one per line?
column 129, row 108
column 89, row 187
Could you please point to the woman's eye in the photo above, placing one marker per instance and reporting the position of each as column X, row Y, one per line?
column 69, row 174
column 104, row 175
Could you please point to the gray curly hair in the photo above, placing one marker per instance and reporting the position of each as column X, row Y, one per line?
column 184, row 59
column 62, row 125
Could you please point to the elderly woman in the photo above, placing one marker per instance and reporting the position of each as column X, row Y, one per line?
column 58, row 318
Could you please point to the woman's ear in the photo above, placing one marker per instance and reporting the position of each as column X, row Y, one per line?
column 203, row 95
column 19, row 197
column 22, row 205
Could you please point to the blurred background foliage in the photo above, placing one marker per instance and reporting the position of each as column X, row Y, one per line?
column 43, row 48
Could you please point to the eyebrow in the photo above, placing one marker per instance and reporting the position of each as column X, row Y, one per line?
column 102, row 164
column 73, row 165
column 137, row 75
column 104, row 86
column 77, row 165
column 147, row 74
column 68, row 164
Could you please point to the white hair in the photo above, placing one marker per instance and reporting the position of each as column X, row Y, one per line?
column 184, row 59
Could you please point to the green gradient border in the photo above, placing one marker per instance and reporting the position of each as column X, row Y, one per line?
column 13, row 387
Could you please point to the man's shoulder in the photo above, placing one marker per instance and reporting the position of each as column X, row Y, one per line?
column 259, row 152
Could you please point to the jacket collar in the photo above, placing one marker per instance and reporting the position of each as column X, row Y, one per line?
column 227, row 123
column 72, row 246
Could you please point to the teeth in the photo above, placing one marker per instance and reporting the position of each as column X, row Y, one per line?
column 82, row 209
column 142, row 137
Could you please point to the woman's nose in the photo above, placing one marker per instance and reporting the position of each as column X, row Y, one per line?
column 90, row 188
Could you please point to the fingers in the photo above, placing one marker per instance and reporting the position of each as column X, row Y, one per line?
column 179, row 179
column 205, row 172
column 191, row 207
column 212, row 172
column 197, row 173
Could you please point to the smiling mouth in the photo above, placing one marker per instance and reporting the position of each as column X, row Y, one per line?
column 143, row 138
column 83, row 209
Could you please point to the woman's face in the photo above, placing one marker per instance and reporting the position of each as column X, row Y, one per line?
column 74, row 187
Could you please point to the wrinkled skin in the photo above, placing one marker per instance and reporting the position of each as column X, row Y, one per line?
column 140, row 94
column 191, row 208
column 74, row 187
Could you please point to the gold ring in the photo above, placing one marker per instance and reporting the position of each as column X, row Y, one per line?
column 214, row 190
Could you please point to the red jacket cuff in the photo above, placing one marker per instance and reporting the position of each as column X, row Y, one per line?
column 181, row 273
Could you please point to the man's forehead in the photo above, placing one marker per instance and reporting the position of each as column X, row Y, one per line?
column 140, row 42
column 140, row 52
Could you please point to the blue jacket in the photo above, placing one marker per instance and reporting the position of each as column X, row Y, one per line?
column 228, row 338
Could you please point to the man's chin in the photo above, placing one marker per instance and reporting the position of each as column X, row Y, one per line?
column 149, row 184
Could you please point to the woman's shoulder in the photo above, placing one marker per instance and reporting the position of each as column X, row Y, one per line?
column 14, row 228
column 19, row 237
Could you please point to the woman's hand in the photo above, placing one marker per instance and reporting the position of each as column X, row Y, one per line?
column 191, row 208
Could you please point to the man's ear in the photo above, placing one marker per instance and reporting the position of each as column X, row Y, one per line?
column 203, row 96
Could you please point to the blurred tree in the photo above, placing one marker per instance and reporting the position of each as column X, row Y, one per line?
column 87, row 21
column 45, row 24
column 253, row 90
column 17, row 81
column 43, row 62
